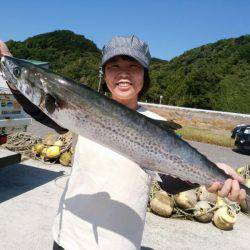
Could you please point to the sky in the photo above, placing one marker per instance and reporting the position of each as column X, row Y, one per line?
column 169, row 27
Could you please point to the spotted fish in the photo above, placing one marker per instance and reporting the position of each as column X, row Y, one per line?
column 84, row 111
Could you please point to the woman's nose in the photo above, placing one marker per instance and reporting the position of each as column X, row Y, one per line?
column 123, row 72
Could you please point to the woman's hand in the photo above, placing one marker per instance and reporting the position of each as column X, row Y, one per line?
column 4, row 51
column 231, row 188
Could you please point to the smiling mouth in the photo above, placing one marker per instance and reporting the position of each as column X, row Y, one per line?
column 123, row 84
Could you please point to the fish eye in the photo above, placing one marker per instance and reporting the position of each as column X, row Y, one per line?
column 17, row 71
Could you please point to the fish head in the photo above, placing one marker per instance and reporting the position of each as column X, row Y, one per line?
column 17, row 73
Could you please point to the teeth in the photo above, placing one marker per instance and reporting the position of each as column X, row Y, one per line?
column 123, row 84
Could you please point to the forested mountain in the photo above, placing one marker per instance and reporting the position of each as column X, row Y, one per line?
column 214, row 76
column 67, row 53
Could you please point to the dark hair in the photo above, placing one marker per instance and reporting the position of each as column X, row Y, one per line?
column 146, row 80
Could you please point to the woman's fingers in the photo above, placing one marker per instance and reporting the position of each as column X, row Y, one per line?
column 230, row 171
column 226, row 188
column 230, row 189
column 236, row 176
column 235, row 191
column 4, row 51
column 214, row 187
column 242, row 196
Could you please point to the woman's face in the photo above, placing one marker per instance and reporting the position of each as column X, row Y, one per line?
column 124, row 78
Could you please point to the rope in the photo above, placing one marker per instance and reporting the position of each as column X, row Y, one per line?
column 246, row 171
column 22, row 142
column 190, row 213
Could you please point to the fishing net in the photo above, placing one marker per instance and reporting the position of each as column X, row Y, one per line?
column 190, row 213
column 24, row 142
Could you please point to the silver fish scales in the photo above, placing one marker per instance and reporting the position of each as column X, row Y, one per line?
column 84, row 111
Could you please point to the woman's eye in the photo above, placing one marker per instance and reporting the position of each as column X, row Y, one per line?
column 134, row 66
column 112, row 66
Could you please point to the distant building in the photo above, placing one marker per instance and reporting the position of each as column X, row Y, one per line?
column 39, row 63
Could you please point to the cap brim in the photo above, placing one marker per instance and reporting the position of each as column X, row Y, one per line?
column 114, row 53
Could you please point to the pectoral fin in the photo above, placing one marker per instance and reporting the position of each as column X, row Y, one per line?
column 173, row 185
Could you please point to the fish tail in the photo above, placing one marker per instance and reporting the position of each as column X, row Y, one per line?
column 248, row 204
column 245, row 205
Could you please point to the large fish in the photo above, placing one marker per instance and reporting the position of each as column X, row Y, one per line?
column 84, row 111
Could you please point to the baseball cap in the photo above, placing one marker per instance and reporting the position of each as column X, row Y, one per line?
column 128, row 46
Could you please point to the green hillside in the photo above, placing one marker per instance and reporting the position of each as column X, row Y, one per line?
column 214, row 76
column 67, row 53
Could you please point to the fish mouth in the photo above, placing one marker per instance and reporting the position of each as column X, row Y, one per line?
column 1, row 66
column 5, row 72
column 2, row 73
column 4, row 68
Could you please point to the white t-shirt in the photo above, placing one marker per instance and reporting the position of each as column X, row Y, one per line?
column 104, row 202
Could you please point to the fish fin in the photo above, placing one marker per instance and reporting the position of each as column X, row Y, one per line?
column 169, row 125
column 174, row 185
column 50, row 103
column 248, row 202
column 248, row 205
column 154, row 175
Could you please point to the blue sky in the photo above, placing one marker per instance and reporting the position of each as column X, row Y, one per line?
column 169, row 27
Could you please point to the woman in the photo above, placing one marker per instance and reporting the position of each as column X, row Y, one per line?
column 104, row 201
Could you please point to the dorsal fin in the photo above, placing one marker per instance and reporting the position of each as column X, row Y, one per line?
column 169, row 125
